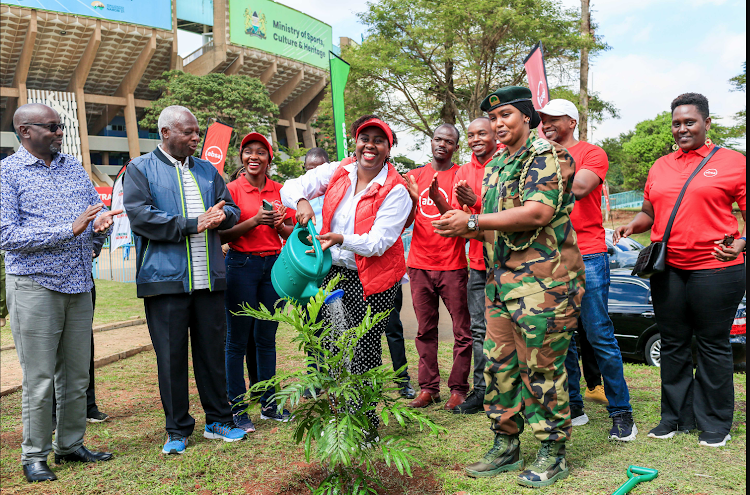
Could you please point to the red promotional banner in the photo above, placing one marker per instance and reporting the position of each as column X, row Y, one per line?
column 537, row 75
column 216, row 144
column 105, row 194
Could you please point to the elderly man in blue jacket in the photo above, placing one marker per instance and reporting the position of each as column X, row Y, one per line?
column 176, row 204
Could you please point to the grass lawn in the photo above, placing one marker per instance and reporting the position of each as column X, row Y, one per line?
column 270, row 463
column 115, row 301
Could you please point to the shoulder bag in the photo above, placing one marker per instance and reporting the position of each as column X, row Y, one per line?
column 653, row 258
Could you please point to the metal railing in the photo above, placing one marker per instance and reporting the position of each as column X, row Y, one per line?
column 197, row 53
column 117, row 265
column 627, row 199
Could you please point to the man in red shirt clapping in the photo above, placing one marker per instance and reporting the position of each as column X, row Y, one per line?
column 559, row 120
column 437, row 269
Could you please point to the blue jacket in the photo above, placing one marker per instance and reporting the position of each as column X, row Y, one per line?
column 155, row 205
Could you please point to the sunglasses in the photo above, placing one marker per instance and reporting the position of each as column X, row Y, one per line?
column 51, row 127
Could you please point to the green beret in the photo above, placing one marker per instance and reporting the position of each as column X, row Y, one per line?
column 505, row 96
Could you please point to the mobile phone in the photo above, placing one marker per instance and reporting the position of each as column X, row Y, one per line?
column 267, row 206
column 728, row 240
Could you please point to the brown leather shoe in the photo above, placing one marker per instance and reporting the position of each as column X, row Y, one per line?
column 424, row 399
column 455, row 400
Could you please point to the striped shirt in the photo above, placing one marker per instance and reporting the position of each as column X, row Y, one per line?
column 195, row 208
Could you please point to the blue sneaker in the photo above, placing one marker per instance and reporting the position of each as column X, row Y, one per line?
column 176, row 444
column 226, row 432
column 243, row 422
column 272, row 412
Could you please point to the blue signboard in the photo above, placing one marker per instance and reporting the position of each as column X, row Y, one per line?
column 200, row 11
column 152, row 13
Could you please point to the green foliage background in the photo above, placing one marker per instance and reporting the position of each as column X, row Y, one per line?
column 240, row 101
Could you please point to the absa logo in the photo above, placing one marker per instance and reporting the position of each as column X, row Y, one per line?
column 214, row 155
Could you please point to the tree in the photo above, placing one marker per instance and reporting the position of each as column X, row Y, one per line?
column 653, row 139
column 598, row 109
column 427, row 62
column 288, row 164
column 738, row 84
column 240, row 101
column 583, row 101
column 618, row 159
column 403, row 163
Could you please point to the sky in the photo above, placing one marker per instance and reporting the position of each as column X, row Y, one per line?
column 658, row 50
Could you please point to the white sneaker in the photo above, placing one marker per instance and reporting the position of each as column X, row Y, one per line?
column 712, row 441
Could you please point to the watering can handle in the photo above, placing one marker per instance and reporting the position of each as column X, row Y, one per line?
column 316, row 246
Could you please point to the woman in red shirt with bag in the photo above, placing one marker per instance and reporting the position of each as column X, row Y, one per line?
column 254, row 245
column 704, row 281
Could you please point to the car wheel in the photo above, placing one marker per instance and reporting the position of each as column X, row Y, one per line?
column 652, row 352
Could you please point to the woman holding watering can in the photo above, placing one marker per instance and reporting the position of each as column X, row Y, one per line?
column 364, row 211
column 535, row 279
column 254, row 245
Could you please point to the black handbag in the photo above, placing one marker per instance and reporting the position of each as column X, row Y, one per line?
column 653, row 258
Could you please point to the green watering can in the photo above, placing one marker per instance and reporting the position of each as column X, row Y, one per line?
column 643, row 474
column 297, row 274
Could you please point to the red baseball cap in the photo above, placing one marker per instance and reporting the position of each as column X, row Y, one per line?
column 256, row 136
column 380, row 125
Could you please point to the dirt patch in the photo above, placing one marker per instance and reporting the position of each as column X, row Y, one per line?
column 305, row 475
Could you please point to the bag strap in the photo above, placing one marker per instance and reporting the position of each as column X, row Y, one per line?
column 668, row 230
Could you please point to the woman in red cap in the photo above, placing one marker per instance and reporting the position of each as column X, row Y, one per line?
column 254, row 245
column 365, row 209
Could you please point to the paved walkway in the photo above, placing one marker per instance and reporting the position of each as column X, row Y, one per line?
column 109, row 346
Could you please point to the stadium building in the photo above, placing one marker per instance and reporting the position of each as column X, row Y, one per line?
column 93, row 61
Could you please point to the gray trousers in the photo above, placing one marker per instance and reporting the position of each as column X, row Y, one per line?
column 52, row 332
column 475, row 295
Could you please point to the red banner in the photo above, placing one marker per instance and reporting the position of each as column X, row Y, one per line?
column 537, row 75
column 105, row 194
column 216, row 144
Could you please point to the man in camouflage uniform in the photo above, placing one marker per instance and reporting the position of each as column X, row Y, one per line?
column 533, row 296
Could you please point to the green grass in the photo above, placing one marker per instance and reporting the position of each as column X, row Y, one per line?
column 115, row 301
column 270, row 463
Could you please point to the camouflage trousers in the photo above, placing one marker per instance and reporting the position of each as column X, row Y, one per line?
column 526, row 345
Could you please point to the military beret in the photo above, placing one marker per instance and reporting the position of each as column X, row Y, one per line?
column 505, row 96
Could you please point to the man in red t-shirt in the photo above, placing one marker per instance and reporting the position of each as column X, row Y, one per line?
column 437, row 269
column 468, row 192
column 559, row 120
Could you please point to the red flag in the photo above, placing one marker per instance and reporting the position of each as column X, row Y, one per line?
column 216, row 144
column 105, row 194
column 537, row 75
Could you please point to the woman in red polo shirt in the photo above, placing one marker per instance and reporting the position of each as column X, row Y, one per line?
column 254, row 245
column 365, row 209
column 698, row 294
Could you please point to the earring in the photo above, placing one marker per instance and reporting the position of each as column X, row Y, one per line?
column 709, row 143
column 675, row 147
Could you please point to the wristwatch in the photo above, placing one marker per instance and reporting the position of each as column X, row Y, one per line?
column 473, row 223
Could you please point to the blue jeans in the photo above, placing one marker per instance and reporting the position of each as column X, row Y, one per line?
column 249, row 281
column 601, row 334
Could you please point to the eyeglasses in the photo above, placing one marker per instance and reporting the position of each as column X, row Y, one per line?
column 51, row 127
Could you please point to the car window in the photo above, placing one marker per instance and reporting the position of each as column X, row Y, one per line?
column 625, row 292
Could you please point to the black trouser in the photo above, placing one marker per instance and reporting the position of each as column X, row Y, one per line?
column 91, row 407
column 394, row 333
column 700, row 304
column 171, row 317
column 591, row 373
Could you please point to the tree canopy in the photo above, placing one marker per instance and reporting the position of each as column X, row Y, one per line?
column 240, row 101
column 424, row 62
